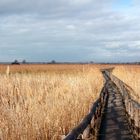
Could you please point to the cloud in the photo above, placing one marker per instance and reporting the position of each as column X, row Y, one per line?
column 66, row 30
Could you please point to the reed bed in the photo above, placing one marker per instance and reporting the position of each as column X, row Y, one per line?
column 130, row 74
column 46, row 105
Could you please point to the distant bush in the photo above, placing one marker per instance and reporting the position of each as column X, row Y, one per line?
column 15, row 62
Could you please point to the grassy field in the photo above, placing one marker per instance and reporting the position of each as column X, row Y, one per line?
column 130, row 74
column 45, row 101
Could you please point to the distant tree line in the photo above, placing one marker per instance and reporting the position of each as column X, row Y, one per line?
column 16, row 62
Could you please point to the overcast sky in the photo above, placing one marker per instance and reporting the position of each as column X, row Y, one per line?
column 70, row 30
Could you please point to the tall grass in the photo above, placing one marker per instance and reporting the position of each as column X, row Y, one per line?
column 46, row 105
column 131, row 76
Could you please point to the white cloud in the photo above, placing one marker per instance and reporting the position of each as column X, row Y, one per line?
column 71, row 27
column 80, row 2
column 68, row 30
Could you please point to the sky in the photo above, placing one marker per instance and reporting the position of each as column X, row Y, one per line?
column 70, row 30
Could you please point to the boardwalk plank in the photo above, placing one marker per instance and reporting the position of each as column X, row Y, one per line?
column 114, row 124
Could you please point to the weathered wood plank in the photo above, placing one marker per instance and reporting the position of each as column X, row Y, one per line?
column 132, row 107
column 114, row 125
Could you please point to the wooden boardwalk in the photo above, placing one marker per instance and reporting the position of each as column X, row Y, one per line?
column 114, row 116
column 114, row 124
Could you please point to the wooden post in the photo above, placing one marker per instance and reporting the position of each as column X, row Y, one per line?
column 8, row 70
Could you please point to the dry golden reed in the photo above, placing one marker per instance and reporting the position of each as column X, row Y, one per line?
column 130, row 74
column 45, row 104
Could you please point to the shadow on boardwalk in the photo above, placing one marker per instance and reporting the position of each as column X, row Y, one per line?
column 114, row 124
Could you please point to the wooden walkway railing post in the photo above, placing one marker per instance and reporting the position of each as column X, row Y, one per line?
column 89, row 127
